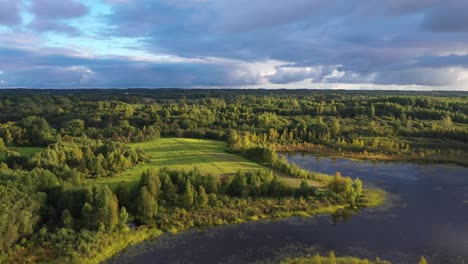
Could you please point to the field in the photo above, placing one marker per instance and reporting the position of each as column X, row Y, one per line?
column 25, row 151
column 208, row 156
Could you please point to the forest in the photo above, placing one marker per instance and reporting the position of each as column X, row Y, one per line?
column 60, row 149
column 386, row 125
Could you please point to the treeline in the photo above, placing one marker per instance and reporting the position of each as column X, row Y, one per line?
column 332, row 259
column 79, row 157
column 166, row 190
column 249, row 146
column 36, row 131
column 37, row 203
column 350, row 121
column 44, row 210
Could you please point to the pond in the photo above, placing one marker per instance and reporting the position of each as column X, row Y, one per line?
column 427, row 214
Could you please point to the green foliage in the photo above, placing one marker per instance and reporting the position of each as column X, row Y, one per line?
column 345, row 189
column 150, row 179
column 188, row 198
column 37, row 131
column 101, row 208
column 92, row 158
column 74, row 128
column 338, row 120
column 422, row 260
column 19, row 213
column 123, row 217
column 67, row 219
column 146, row 206
column 83, row 136
column 331, row 259
column 2, row 145
column 202, row 197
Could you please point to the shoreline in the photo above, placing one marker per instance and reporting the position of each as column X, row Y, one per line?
column 111, row 244
column 379, row 198
column 331, row 153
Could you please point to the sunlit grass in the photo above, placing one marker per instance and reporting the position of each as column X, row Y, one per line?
column 331, row 259
column 209, row 156
column 374, row 196
column 25, row 151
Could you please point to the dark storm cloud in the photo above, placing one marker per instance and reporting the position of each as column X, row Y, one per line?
column 447, row 16
column 223, row 42
column 41, row 69
column 370, row 40
column 443, row 61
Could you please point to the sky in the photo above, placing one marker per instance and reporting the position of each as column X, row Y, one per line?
column 316, row 44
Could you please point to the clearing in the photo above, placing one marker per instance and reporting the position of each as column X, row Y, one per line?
column 208, row 156
column 25, row 151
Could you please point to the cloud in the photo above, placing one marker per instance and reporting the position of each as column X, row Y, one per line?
column 245, row 15
column 9, row 12
column 447, row 16
column 48, row 25
column 368, row 40
column 193, row 43
column 51, row 15
column 52, row 9
column 288, row 74
column 424, row 76
column 67, row 70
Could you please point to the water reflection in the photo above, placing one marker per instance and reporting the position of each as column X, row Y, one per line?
column 426, row 215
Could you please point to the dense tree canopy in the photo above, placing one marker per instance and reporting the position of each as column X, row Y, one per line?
column 56, row 147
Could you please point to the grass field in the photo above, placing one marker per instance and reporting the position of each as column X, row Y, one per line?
column 25, row 151
column 208, row 156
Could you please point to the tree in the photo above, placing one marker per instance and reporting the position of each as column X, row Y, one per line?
column 332, row 257
column 169, row 193
column 101, row 208
column 304, row 188
column 335, row 127
column 345, row 187
column 147, row 206
column 237, row 185
column 123, row 217
column 19, row 213
column 38, row 131
column 87, row 215
column 67, row 219
column 150, row 180
column 74, row 127
column 123, row 193
column 233, row 140
column 2, row 145
column 316, row 259
column 189, row 195
column 422, row 260
column 212, row 183
column 358, row 187
column 446, row 122
column 202, row 198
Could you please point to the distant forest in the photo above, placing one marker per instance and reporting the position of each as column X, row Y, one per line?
column 404, row 125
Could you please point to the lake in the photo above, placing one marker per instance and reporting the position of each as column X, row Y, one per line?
column 427, row 214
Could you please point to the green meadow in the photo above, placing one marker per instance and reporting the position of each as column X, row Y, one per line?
column 209, row 156
column 25, row 151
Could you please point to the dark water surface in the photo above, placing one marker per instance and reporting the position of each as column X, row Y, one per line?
column 427, row 215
